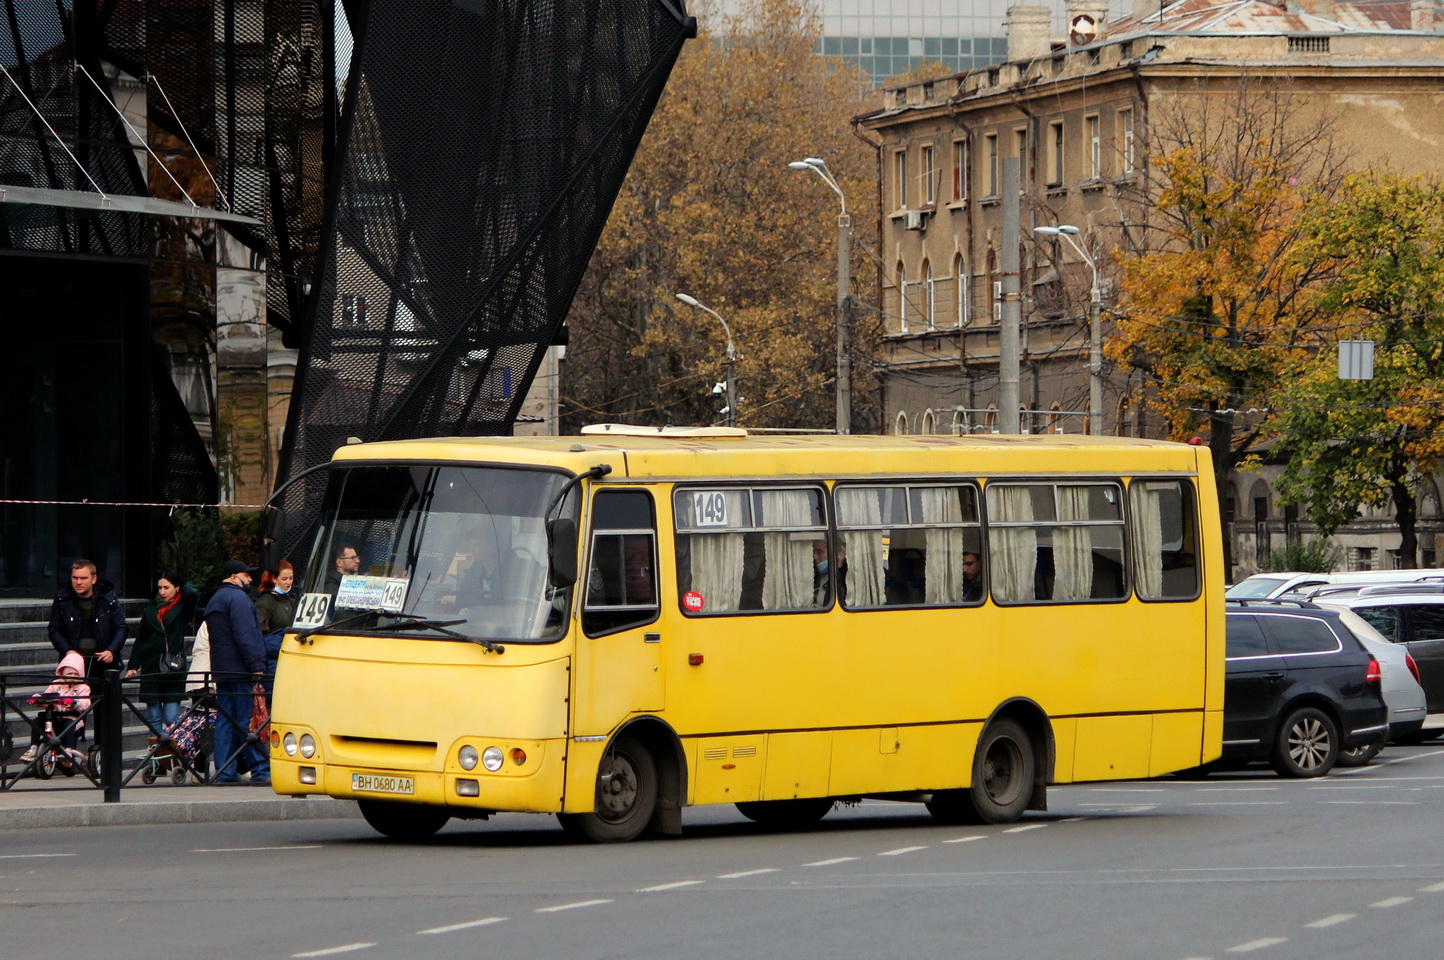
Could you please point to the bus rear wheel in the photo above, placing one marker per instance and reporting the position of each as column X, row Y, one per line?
column 786, row 813
column 626, row 796
column 403, row 821
column 1003, row 770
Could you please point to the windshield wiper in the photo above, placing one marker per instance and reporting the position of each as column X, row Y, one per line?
column 328, row 627
column 422, row 623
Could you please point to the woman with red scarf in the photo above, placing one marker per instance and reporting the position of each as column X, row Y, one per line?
column 163, row 629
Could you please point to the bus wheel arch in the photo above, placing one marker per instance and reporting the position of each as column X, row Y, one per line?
column 1011, row 767
column 638, row 786
column 671, row 765
column 1034, row 721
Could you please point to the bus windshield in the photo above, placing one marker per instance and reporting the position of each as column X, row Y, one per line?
column 463, row 546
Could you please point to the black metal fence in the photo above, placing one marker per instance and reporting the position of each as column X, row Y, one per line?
column 42, row 736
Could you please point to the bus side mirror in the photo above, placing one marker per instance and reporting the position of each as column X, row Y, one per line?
column 271, row 539
column 562, row 551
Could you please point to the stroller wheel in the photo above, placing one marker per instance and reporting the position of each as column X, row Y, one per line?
column 92, row 761
column 45, row 765
column 178, row 774
column 147, row 775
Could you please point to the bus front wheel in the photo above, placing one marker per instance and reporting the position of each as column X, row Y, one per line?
column 1002, row 780
column 786, row 813
column 403, row 821
column 626, row 797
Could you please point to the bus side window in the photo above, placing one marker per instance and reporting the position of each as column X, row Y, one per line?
column 1165, row 547
column 622, row 575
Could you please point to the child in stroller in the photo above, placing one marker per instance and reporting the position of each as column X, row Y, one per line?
column 60, row 715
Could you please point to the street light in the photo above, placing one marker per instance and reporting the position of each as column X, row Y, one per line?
column 731, row 355
column 844, row 292
column 1095, row 341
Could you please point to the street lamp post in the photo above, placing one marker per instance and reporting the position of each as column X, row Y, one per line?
column 1095, row 338
column 731, row 355
column 844, row 293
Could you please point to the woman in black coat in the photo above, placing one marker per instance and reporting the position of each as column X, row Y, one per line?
column 163, row 629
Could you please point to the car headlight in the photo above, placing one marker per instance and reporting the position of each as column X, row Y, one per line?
column 289, row 744
column 491, row 758
column 468, row 757
column 308, row 746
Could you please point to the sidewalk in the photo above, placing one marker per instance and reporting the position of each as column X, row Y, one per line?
column 76, row 803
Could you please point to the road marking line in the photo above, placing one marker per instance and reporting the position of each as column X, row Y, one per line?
column 330, row 950
column 670, row 886
column 828, row 863
column 32, row 856
column 1258, row 944
column 899, row 850
column 1036, row 826
column 1073, row 819
column 1388, row 902
column 1238, row 803
column 1330, row 921
column 311, row 846
column 747, row 873
column 976, row 836
column 1433, row 888
column 463, row 926
column 1374, row 803
column 572, row 906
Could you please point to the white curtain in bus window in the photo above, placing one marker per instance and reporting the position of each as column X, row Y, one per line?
column 1013, row 543
column 936, row 506
column 714, row 521
column 864, row 549
column 1165, row 555
column 787, row 555
column 1072, row 547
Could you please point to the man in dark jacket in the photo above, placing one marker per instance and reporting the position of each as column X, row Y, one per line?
column 238, row 662
column 87, row 617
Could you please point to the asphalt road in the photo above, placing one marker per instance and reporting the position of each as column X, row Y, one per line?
column 1350, row 866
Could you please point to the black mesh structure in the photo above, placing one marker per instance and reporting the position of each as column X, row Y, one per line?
column 232, row 100
column 483, row 145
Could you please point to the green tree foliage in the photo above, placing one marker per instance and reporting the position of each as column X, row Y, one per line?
column 1318, row 555
column 711, row 209
column 196, row 548
column 1368, row 442
column 1219, row 309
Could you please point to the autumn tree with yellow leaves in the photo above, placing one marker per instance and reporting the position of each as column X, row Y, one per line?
column 1221, row 306
column 711, row 209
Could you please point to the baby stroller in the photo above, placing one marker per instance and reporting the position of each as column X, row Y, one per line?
column 192, row 741
column 54, row 715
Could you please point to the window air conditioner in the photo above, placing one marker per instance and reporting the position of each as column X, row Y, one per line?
column 913, row 220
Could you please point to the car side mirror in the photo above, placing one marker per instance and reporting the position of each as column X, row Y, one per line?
column 562, row 551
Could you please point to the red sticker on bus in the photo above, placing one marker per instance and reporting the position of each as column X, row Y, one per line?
column 692, row 601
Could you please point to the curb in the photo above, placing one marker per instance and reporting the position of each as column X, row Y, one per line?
column 198, row 811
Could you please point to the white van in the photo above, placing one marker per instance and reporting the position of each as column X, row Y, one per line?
column 1269, row 585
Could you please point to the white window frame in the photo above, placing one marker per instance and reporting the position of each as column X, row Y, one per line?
column 1095, row 146
column 900, row 178
column 929, row 175
column 960, row 171
column 990, row 157
column 1055, row 153
column 964, row 292
column 1020, row 145
column 1125, row 123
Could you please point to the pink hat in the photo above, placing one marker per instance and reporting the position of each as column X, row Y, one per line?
column 72, row 660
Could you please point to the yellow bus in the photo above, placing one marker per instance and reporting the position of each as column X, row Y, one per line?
column 613, row 626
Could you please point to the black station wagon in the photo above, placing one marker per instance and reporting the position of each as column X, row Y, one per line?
column 1299, row 688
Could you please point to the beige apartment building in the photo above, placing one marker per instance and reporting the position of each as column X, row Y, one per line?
column 1076, row 113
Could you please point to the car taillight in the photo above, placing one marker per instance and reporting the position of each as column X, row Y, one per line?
column 1413, row 668
column 1375, row 675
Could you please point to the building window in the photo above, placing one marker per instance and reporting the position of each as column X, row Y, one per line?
column 930, row 423
column 1020, row 147
column 900, row 425
column 1363, row 558
column 353, row 309
column 900, row 179
column 929, row 172
column 1055, row 417
column 960, row 170
column 1055, row 154
column 1095, row 148
column 1125, row 140
column 930, row 297
column 963, row 290
column 990, row 159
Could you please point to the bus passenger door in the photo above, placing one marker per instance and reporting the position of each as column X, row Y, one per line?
column 618, row 665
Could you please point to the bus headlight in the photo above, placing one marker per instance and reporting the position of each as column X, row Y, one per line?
column 308, row 745
column 289, row 744
column 468, row 757
column 491, row 759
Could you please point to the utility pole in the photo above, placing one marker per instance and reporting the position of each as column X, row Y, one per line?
column 844, row 323
column 1011, row 306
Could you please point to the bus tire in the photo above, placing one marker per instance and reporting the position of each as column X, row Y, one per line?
column 408, row 822
column 1003, row 768
column 626, row 796
column 1307, row 744
column 786, row 813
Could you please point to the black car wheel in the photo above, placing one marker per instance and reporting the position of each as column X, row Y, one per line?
column 1307, row 744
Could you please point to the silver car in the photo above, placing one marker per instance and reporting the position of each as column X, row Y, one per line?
column 1403, row 696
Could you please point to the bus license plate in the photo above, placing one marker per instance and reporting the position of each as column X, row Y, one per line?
column 367, row 783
